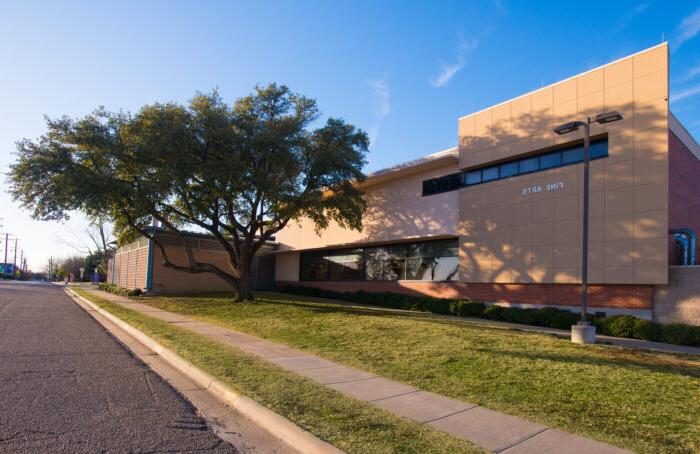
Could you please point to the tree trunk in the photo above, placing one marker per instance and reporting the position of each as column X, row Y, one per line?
column 243, row 286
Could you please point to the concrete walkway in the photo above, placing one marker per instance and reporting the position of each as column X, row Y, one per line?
column 489, row 429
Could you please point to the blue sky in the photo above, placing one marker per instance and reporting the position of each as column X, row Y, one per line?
column 403, row 71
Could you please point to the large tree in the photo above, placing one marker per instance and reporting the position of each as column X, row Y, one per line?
column 239, row 173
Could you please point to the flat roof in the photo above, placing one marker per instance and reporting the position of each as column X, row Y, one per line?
column 434, row 160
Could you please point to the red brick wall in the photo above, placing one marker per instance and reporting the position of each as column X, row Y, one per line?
column 684, row 191
column 604, row 296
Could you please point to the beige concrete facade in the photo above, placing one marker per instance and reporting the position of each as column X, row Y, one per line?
column 510, row 237
column 395, row 210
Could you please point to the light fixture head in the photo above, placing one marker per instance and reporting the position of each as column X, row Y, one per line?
column 608, row 117
column 568, row 127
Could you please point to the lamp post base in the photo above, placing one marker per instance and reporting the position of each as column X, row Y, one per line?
column 583, row 333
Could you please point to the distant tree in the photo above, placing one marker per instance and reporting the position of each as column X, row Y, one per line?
column 240, row 173
column 96, row 241
column 95, row 260
column 72, row 265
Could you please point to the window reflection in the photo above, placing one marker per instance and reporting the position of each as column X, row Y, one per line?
column 435, row 260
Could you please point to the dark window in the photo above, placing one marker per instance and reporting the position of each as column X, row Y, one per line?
column 489, row 174
column 550, row 160
column 572, row 156
column 528, row 165
column 473, row 177
column 599, row 149
column 429, row 187
column 508, row 169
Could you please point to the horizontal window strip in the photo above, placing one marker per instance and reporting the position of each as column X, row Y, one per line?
column 428, row 260
column 513, row 168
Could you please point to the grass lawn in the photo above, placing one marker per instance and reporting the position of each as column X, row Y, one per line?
column 348, row 424
column 648, row 402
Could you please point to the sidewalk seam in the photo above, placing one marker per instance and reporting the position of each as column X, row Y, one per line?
column 276, row 424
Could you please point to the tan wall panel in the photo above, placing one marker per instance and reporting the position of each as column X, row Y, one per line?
column 287, row 266
column 169, row 281
column 395, row 210
column 130, row 267
column 629, row 189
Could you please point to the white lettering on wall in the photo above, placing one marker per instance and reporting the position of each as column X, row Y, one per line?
column 547, row 187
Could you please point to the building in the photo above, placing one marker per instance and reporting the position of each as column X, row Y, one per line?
column 498, row 218
column 140, row 265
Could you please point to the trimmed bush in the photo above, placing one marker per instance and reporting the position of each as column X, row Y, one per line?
column 646, row 330
column 466, row 308
column 680, row 334
column 495, row 313
column 111, row 288
column 618, row 325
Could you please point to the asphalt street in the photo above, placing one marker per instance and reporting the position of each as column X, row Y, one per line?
column 66, row 385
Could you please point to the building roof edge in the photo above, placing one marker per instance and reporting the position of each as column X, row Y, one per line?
column 683, row 135
column 665, row 43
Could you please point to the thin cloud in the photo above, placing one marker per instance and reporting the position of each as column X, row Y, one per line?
column 382, row 108
column 687, row 93
column 687, row 29
column 690, row 73
column 627, row 18
column 448, row 71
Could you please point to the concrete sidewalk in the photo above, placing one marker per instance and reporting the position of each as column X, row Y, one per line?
column 489, row 429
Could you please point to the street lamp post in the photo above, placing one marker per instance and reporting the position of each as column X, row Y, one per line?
column 584, row 332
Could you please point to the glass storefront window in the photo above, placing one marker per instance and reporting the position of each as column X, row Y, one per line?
column 425, row 260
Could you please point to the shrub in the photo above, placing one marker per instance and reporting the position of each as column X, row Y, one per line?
column 467, row 308
column 646, row 330
column 677, row 333
column 111, row 288
column 494, row 312
column 563, row 319
column 619, row 325
column 555, row 318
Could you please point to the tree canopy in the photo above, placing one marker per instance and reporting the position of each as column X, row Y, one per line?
column 239, row 172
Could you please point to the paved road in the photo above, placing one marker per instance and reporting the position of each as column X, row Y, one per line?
column 66, row 385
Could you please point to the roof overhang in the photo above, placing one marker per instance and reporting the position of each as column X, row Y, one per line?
column 430, row 162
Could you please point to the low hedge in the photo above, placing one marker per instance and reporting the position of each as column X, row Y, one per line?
column 551, row 317
column 117, row 290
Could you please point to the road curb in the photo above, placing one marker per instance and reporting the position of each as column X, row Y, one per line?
column 278, row 425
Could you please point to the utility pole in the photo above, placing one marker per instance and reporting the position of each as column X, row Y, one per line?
column 14, row 263
column 21, row 264
column 4, row 265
